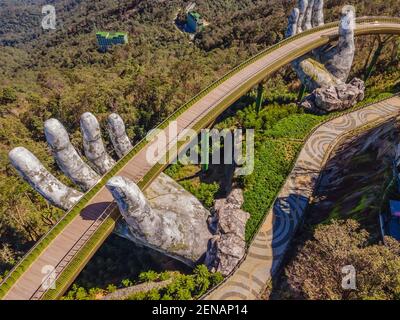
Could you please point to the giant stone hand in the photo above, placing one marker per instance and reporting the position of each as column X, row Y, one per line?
column 172, row 221
column 69, row 161
column 30, row 168
column 324, row 72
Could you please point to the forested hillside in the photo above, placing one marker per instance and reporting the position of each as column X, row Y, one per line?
column 61, row 74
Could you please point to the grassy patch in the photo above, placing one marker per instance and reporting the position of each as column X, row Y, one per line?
column 189, row 178
column 295, row 126
column 273, row 163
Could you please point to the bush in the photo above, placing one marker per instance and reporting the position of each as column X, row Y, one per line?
column 205, row 192
column 111, row 288
column 341, row 243
column 295, row 126
column 8, row 95
column 126, row 283
column 183, row 287
column 148, row 276
column 165, row 276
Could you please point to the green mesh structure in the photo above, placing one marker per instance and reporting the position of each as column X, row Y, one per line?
column 195, row 22
column 108, row 39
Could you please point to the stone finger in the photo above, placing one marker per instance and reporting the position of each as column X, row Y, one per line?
column 309, row 15
column 302, row 5
column 118, row 136
column 318, row 13
column 292, row 23
column 39, row 178
column 67, row 158
column 93, row 144
column 339, row 59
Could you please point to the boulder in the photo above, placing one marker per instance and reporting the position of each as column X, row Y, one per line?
column 228, row 246
column 225, row 252
column 334, row 98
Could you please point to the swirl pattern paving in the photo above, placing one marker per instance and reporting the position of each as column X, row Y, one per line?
column 266, row 252
column 25, row 281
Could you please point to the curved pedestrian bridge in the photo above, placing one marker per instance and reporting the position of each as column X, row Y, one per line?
column 73, row 241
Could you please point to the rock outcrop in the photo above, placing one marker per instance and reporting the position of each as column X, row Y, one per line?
column 67, row 158
column 173, row 221
column 116, row 130
column 334, row 98
column 324, row 72
column 93, row 144
column 228, row 246
column 33, row 172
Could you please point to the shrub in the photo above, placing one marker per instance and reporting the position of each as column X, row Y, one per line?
column 8, row 95
column 183, row 287
column 126, row 283
column 333, row 246
column 111, row 288
column 148, row 276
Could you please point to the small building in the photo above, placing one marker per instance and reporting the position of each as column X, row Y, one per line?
column 195, row 23
column 393, row 227
column 108, row 39
column 396, row 173
column 395, row 208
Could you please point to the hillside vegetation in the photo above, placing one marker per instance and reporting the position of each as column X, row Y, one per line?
column 61, row 74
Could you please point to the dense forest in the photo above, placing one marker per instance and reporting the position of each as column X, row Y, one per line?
column 60, row 73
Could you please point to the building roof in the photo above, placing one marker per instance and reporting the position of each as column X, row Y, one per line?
column 394, row 228
column 111, row 35
column 195, row 15
column 395, row 208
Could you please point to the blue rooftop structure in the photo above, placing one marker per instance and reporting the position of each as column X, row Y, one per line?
column 195, row 22
column 108, row 39
column 396, row 174
column 393, row 227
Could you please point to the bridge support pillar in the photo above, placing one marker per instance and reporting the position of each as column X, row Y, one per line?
column 260, row 97
column 302, row 91
column 205, row 150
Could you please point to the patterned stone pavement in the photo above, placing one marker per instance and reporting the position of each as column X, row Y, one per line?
column 29, row 284
column 267, row 250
